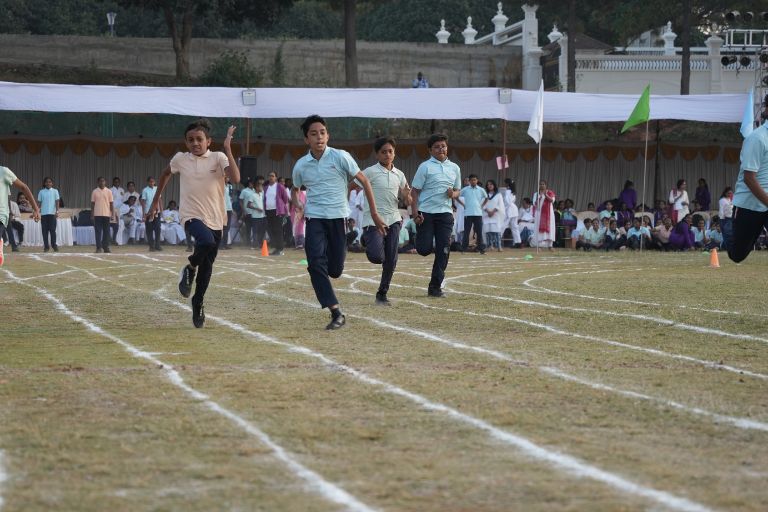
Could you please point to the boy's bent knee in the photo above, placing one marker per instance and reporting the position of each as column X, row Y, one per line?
column 424, row 251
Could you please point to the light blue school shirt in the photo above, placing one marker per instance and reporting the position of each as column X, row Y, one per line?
column 228, row 197
column 6, row 181
column 639, row 232
column 148, row 195
column 434, row 178
column 47, row 198
column 473, row 200
column 326, row 181
column 715, row 236
column 698, row 236
column 258, row 200
column 754, row 157
column 248, row 195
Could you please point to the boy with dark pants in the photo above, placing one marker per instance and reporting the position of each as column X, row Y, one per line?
column 750, row 198
column 435, row 185
column 7, row 180
column 388, row 184
column 202, row 210
column 325, row 172
column 102, row 208
column 151, row 223
column 473, row 199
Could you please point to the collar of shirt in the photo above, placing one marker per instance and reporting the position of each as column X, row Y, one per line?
column 435, row 160
column 204, row 155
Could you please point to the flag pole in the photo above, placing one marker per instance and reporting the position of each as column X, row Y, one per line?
column 645, row 169
column 538, row 194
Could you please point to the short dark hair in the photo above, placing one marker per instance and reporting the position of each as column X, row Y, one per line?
column 310, row 120
column 382, row 141
column 130, row 183
column 202, row 125
column 150, row 178
column 473, row 176
column 100, row 178
column 436, row 137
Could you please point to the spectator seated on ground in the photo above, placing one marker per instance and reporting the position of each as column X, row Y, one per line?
column 170, row 228
column 638, row 235
column 405, row 244
column 700, row 237
column 607, row 212
column 591, row 238
column 613, row 239
column 715, row 236
column 662, row 232
column 131, row 216
column 568, row 218
column 681, row 238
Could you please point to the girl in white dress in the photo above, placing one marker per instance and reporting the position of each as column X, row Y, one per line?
column 494, row 216
column 510, row 205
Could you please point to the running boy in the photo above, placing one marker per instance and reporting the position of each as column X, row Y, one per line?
column 325, row 172
column 388, row 184
column 435, row 185
column 202, row 211
column 7, row 180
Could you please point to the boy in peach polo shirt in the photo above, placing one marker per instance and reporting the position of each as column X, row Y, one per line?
column 102, row 208
column 201, row 205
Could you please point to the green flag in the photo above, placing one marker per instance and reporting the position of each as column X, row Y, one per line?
column 642, row 111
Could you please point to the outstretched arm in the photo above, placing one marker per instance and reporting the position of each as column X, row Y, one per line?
column 232, row 170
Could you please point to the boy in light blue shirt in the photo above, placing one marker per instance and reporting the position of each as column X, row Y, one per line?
column 715, row 236
column 49, row 200
column 473, row 199
column 325, row 172
column 750, row 199
column 435, row 186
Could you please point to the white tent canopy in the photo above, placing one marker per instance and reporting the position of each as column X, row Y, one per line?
column 474, row 103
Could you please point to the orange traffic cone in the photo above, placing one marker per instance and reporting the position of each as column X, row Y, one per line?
column 264, row 249
column 714, row 261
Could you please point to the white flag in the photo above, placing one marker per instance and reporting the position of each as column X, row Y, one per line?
column 536, row 128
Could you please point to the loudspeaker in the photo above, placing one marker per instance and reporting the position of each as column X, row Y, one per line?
column 248, row 168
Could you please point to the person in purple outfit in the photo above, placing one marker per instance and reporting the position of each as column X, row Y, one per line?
column 681, row 238
column 628, row 196
column 702, row 195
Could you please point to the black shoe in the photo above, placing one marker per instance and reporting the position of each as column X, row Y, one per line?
column 336, row 323
column 98, row 250
column 435, row 292
column 14, row 249
column 55, row 248
column 198, row 314
column 107, row 250
column 46, row 249
column 152, row 249
column 158, row 248
column 186, row 278
column 227, row 247
column 277, row 253
column 382, row 300
column 482, row 251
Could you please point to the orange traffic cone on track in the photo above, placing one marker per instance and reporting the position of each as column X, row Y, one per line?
column 714, row 260
column 264, row 249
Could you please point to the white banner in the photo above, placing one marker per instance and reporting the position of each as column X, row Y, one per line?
column 474, row 103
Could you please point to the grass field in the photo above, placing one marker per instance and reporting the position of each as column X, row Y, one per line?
column 571, row 381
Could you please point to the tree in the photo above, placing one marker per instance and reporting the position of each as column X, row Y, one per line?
column 180, row 17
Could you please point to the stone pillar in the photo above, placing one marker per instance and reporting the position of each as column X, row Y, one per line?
column 469, row 33
column 499, row 23
column 669, row 40
column 562, row 62
column 714, row 43
column 442, row 34
column 531, row 50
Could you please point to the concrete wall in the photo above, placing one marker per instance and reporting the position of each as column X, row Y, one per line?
column 662, row 82
column 307, row 62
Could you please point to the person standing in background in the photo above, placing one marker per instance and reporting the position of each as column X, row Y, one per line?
column 151, row 222
column 49, row 200
column 702, row 195
column 102, row 208
column 678, row 202
column 228, row 205
column 276, row 209
column 725, row 213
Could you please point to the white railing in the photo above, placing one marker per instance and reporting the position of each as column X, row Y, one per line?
column 745, row 39
column 647, row 50
column 638, row 63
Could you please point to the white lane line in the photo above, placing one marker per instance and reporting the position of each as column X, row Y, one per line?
column 54, row 274
column 646, row 318
column 3, row 474
column 559, row 460
column 556, row 330
column 316, row 483
column 743, row 423
column 527, row 283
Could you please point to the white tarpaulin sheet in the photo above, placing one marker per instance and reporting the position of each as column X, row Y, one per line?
column 474, row 103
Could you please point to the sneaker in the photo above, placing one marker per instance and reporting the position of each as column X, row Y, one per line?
column 15, row 249
column 55, row 248
column 158, row 248
column 336, row 323
column 107, row 250
column 277, row 253
column 186, row 278
column 46, row 249
column 382, row 300
column 198, row 314
column 436, row 292
column 98, row 250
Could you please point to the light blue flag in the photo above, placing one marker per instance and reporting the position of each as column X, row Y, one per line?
column 748, row 121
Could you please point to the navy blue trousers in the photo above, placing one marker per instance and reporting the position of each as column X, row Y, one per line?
column 325, row 245
column 382, row 250
column 206, row 249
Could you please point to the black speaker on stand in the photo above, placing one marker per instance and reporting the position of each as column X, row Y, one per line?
column 248, row 168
